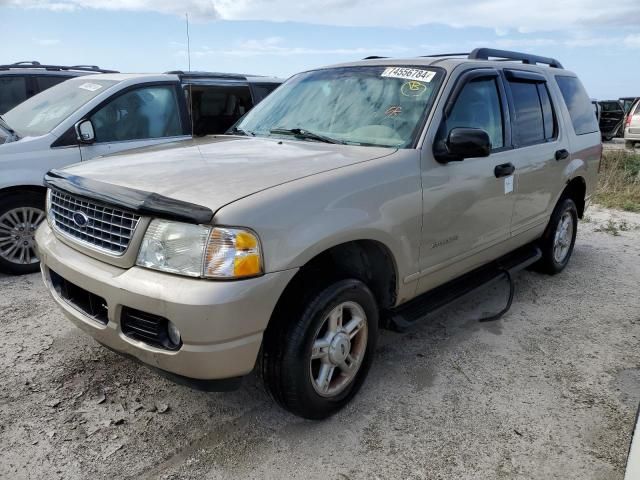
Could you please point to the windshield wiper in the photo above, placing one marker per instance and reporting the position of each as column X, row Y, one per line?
column 302, row 133
column 240, row 131
column 10, row 131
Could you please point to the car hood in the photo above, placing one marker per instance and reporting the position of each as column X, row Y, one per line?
column 215, row 171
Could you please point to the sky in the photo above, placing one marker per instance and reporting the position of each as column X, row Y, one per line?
column 281, row 37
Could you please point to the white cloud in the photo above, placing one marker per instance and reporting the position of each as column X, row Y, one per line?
column 46, row 42
column 500, row 15
column 277, row 46
column 632, row 41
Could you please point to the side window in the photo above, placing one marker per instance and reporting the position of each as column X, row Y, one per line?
column 577, row 101
column 13, row 90
column 261, row 90
column 478, row 106
column 46, row 82
column 148, row 112
column 534, row 118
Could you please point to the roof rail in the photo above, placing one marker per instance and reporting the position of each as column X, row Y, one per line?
column 38, row 65
column 486, row 53
column 446, row 55
column 373, row 57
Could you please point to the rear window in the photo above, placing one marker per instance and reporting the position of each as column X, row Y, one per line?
column 13, row 90
column 611, row 107
column 578, row 104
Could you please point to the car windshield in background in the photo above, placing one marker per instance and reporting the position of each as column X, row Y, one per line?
column 381, row 106
column 43, row 112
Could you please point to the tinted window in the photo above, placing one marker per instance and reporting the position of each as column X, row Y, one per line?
column 13, row 90
column 611, row 107
column 578, row 104
column 46, row 82
column 478, row 106
column 150, row 112
column 528, row 122
column 261, row 90
column 548, row 114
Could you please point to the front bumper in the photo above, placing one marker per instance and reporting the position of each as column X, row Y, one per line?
column 221, row 323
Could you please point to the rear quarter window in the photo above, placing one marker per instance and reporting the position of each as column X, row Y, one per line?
column 579, row 105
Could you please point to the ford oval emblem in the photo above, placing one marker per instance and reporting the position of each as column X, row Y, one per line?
column 80, row 219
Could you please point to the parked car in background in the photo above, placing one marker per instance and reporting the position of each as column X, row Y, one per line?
column 612, row 116
column 87, row 117
column 347, row 194
column 627, row 103
column 632, row 126
column 22, row 80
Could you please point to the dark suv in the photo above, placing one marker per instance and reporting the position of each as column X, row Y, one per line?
column 22, row 80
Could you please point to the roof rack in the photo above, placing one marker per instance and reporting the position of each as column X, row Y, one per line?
column 486, row 53
column 373, row 57
column 37, row 65
column 437, row 55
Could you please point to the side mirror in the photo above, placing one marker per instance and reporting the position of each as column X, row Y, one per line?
column 464, row 143
column 84, row 132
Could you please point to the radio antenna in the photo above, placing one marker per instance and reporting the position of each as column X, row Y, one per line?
column 190, row 103
column 186, row 16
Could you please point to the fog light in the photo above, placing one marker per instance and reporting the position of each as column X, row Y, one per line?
column 174, row 333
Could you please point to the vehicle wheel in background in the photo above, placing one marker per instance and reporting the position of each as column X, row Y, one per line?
column 320, row 356
column 628, row 144
column 559, row 238
column 20, row 215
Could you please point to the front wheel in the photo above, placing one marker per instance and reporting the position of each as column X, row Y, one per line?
column 322, row 354
column 20, row 215
column 559, row 239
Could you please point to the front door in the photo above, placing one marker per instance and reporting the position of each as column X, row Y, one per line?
column 142, row 116
column 467, row 205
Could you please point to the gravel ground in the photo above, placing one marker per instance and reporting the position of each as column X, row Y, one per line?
column 548, row 391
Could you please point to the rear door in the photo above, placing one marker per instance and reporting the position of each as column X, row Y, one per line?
column 611, row 118
column 138, row 116
column 541, row 147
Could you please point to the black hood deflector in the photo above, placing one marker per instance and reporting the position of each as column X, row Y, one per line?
column 138, row 201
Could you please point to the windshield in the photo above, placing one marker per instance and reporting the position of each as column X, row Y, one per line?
column 382, row 106
column 43, row 112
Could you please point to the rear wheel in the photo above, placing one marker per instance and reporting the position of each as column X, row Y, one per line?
column 320, row 356
column 20, row 215
column 559, row 238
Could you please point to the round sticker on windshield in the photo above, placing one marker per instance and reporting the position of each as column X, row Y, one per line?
column 413, row 88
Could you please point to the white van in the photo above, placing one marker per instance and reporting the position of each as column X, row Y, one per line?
column 87, row 117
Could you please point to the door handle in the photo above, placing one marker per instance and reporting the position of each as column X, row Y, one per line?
column 504, row 170
column 562, row 154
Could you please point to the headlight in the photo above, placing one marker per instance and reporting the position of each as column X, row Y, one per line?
column 49, row 212
column 200, row 251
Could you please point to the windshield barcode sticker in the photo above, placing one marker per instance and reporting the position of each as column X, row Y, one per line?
column 92, row 87
column 409, row 73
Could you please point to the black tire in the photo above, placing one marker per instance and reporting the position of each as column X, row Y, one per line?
column 28, row 199
column 629, row 144
column 548, row 263
column 286, row 360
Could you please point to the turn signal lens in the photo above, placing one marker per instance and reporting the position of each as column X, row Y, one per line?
column 232, row 253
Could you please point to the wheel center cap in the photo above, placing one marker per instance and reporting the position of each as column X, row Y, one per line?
column 339, row 349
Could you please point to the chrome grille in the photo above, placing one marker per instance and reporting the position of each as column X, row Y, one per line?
column 98, row 226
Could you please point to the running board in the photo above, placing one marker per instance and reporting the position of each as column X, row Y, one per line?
column 402, row 318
